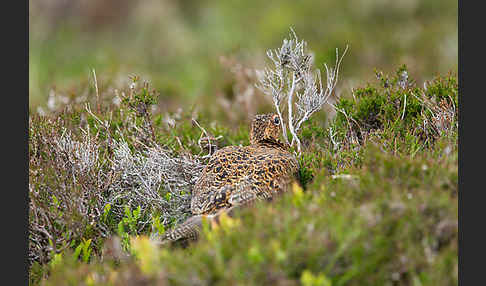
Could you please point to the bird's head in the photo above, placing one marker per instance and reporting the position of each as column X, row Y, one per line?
column 265, row 128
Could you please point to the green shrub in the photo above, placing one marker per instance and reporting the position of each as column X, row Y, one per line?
column 376, row 203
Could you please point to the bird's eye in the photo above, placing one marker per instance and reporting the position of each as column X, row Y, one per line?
column 276, row 120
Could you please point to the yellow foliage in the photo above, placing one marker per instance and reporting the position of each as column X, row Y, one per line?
column 146, row 252
column 298, row 194
column 309, row 279
column 255, row 255
column 280, row 254
column 90, row 280
column 227, row 223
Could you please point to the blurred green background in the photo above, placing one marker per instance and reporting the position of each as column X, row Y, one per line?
column 179, row 45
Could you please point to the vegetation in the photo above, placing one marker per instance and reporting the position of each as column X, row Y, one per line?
column 378, row 202
column 188, row 49
column 128, row 99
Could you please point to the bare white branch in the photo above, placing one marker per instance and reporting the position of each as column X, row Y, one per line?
column 292, row 73
column 155, row 179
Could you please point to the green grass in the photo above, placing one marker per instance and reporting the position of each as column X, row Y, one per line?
column 377, row 199
column 392, row 221
column 178, row 44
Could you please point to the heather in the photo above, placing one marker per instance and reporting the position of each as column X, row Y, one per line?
column 124, row 114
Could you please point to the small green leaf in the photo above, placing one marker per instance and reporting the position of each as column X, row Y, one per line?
column 168, row 196
column 121, row 229
column 77, row 251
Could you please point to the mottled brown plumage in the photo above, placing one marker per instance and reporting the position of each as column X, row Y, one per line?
column 236, row 176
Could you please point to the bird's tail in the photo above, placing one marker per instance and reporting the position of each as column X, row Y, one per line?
column 190, row 229
column 187, row 231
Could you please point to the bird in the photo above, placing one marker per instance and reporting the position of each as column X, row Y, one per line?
column 238, row 176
